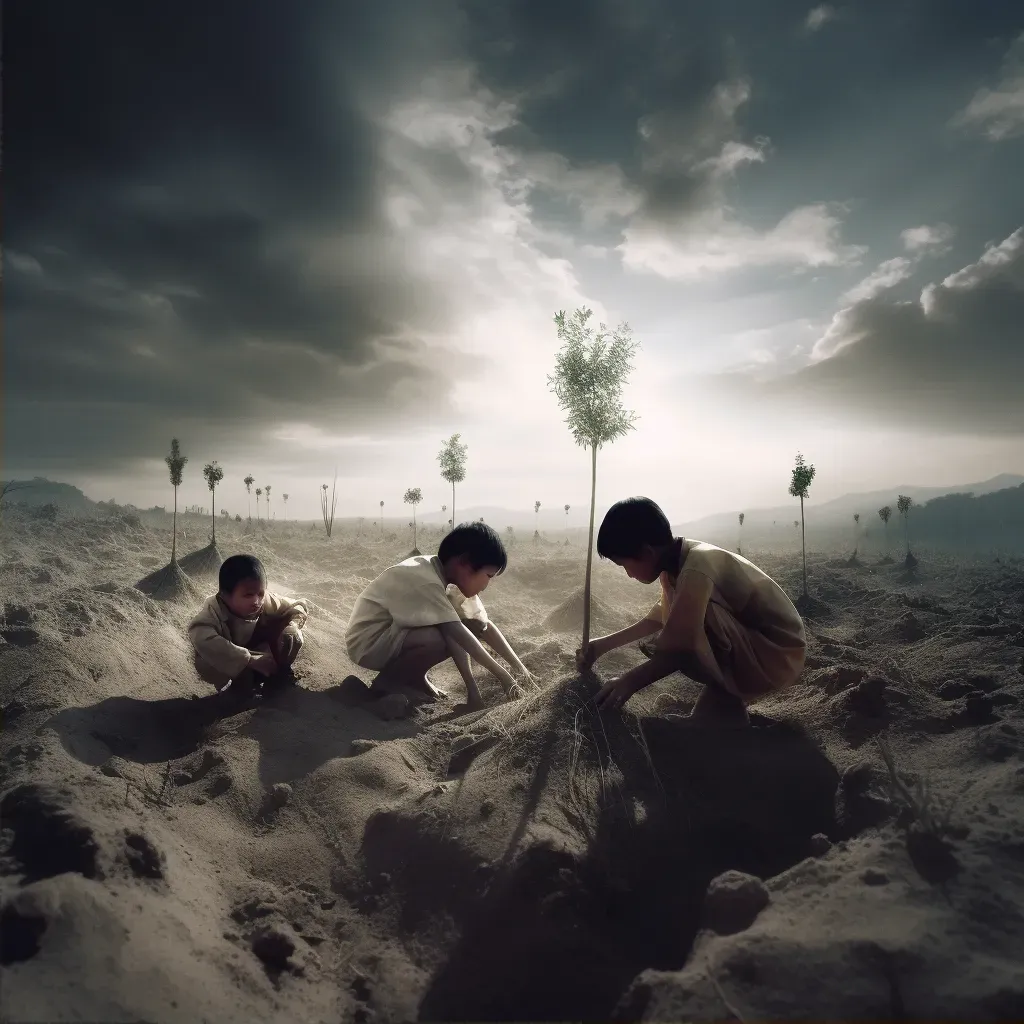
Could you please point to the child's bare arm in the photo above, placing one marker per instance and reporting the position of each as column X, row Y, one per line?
column 603, row 644
column 495, row 639
column 460, row 635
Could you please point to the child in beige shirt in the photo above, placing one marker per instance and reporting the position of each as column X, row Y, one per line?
column 723, row 622
column 244, row 634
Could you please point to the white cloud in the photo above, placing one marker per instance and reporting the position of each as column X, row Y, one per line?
column 927, row 238
column 885, row 276
column 999, row 112
column 714, row 242
column 950, row 361
column 818, row 17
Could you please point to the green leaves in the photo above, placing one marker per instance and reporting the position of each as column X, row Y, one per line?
column 452, row 458
column 800, row 481
column 590, row 371
column 175, row 462
column 213, row 473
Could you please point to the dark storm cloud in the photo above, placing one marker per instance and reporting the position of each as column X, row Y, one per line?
column 951, row 362
column 171, row 168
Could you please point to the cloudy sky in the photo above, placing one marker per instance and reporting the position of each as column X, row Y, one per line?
column 330, row 234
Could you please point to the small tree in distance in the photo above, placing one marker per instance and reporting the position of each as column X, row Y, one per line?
column 536, row 521
column 249, row 481
column 452, row 458
column 856, row 533
column 590, row 372
column 285, row 496
column 904, row 505
column 566, row 525
column 382, row 518
column 885, row 513
column 175, row 463
column 799, row 485
column 328, row 512
column 267, row 492
column 259, row 491
column 511, row 534
column 413, row 497
column 214, row 474
column 739, row 546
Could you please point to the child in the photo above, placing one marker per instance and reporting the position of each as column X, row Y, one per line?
column 244, row 633
column 724, row 623
column 427, row 609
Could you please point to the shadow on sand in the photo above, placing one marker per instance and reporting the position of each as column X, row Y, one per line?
column 297, row 729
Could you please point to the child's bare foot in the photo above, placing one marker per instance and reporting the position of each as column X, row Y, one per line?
column 423, row 690
column 717, row 707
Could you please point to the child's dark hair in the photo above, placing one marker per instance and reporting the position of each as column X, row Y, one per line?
column 630, row 524
column 237, row 569
column 478, row 542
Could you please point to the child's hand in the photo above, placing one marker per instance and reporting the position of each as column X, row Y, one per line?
column 266, row 665
column 586, row 656
column 615, row 693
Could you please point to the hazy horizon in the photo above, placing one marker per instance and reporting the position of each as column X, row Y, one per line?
column 334, row 238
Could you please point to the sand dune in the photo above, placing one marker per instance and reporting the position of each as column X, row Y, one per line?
column 304, row 860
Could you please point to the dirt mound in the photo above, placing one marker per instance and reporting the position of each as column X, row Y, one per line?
column 204, row 562
column 568, row 616
column 601, row 837
column 169, row 584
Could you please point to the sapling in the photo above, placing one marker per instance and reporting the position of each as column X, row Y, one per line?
column 904, row 505
column 266, row 490
column 259, row 491
column 590, row 371
column 799, row 485
column 175, row 463
column 214, row 474
column 413, row 496
column 452, row 458
column 249, row 481
column 328, row 512
column 885, row 513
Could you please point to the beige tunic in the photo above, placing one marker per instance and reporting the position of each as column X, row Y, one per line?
column 406, row 596
column 220, row 637
column 742, row 625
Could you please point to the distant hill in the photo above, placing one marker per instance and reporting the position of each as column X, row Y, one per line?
column 838, row 511
column 40, row 491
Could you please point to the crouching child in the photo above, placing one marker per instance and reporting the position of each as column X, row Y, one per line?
column 246, row 637
column 723, row 622
column 427, row 609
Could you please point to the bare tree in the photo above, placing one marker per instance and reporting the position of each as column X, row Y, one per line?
column 328, row 513
column 10, row 486
column 590, row 372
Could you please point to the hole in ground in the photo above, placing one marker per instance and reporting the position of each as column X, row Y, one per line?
column 556, row 938
column 47, row 839
column 19, row 935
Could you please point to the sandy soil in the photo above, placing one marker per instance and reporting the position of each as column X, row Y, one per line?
column 304, row 860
